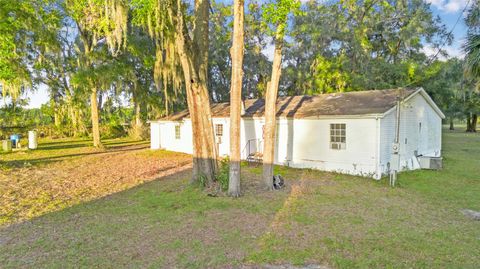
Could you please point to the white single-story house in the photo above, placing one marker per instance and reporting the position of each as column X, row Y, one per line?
column 350, row 133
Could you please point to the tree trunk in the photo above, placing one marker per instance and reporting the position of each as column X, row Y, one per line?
column 57, row 118
column 138, row 112
column 95, row 121
column 236, row 98
column 469, row 127
column 270, row 111
column 165, row 90
column 100, row 103
column 81, row 128
column 73, row 115
column 451, row 124
column 138, row 131
column 474, row 123
column 138, row 115
column 193, row 56
column 56, row 114
column 89, row 43
column 471, row 122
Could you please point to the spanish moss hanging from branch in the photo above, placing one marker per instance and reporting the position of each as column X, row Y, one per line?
column 102, row 19
column 153, row 16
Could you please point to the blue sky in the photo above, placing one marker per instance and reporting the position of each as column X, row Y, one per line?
column 448, row 10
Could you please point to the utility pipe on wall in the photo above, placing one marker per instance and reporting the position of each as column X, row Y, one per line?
column 395, row 160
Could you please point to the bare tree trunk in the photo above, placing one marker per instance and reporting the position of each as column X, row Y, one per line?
column 474, row 123
column 82, row 129
column 236, row 98
column 469, row 128
column 271, row 110
column 56, row 114
column 74, row 119
column 95, row 121
column 138, row 112
column 71, row 113
column 88, row 45
column 451, row 124
column 138, row 115
column 471, row 122
column 193, row 56
column 100, row 102
column 138, row 131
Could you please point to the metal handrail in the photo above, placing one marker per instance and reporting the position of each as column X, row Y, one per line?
column 248, row 146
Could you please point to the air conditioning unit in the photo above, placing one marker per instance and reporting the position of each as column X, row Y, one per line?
column 426, row 162
column 337, row 145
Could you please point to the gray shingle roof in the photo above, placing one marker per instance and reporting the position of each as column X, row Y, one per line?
column 304, row 106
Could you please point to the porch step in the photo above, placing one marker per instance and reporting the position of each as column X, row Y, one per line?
column 256, row 157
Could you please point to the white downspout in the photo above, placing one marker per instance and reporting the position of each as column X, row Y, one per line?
column 396, row 146
column 378, row 175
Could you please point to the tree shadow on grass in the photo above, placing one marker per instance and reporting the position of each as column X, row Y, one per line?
column 64, row 146
column 118, row 148
column 87, row 143
column 170, row 173
column 162, row 223
column 64, row 141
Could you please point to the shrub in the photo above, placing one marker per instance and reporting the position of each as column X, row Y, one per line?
column 112, row 131
column 139, row 132
column 223, row 173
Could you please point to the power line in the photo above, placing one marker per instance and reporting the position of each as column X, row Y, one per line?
column 433, row 58
column 451, row 32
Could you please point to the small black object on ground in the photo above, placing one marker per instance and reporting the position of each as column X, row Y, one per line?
column 278, row 182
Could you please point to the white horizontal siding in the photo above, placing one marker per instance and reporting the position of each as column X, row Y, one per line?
column 155, row 136
column 168, row 140
column 300, row 143
column 424, row 140
column 312, row 146
column 305, row 143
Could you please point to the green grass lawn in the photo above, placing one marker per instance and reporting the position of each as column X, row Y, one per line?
column 321, row 218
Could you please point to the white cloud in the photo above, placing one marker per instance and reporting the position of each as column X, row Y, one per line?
column 268, row 51
column 453, row 51
column 449, row 6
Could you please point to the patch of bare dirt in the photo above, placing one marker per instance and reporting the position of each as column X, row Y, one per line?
column 31, row 191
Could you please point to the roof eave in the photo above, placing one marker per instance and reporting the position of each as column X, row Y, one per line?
column 425, row 95
column 432, row 103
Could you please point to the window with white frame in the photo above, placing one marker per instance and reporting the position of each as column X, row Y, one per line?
column 218, row 133
column 338, row 136
column 219, row 129
column 177, row 131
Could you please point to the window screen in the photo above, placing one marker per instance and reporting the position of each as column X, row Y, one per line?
column 177, row 131
column 219, row 129
column 338, row 136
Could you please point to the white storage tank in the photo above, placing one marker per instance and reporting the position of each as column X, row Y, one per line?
column 32, row 140
column 7, row 145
